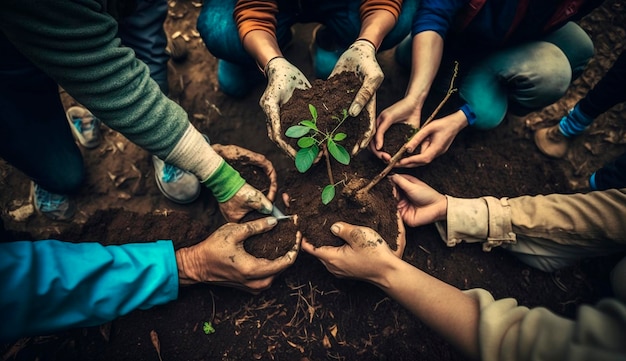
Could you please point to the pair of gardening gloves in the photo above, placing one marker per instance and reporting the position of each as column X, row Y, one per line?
column 283, row 78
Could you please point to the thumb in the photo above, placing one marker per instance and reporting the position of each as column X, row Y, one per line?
column 246, row 230
column 343, row 230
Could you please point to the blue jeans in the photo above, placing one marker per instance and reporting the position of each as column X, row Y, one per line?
column 526, row 77
column 219, row 31
column 34, row 134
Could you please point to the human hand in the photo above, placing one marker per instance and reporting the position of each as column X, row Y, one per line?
column 365, row 256
column 418, row 204
column 434, row 139
column 247, row 198
column 282, row 79
column 222, row 260
column 360, row 59
column 405, row 111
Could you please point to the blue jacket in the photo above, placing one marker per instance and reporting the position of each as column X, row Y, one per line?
column 47, row 286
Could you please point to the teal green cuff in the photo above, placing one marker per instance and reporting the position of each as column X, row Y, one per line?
column 225, row 182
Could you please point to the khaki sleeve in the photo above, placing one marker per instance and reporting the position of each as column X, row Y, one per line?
column 581, row 218
column 368, row 7
column 255, row 15
column 486, row 220
column 508, row 331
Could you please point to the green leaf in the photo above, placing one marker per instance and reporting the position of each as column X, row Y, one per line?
column 339, row 137
column 297, row 131
column 208, row 329
column 313, row 111
column 309, row 124
column 328, row 193
column 305, row 158
column 306, row 142
column 338, row 152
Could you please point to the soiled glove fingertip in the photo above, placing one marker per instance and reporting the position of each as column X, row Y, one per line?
column 355, row 109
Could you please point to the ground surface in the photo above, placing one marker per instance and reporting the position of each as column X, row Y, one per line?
column 308, row 314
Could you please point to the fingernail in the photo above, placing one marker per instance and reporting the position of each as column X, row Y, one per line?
column 354, row 110
column 335, row 228
column 272, row 221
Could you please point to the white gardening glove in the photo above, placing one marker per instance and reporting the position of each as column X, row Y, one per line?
column 360, row 59
column 282, row 79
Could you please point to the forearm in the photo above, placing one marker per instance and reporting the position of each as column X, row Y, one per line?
column 376, row 26
column 51, row 285
column 77, row 46
column 426, row 58
column 262, row 46
column 444, row 308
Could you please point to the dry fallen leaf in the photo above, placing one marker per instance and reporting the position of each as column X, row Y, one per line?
column 156, row 343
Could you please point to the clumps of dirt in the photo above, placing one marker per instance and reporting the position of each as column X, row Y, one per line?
column 396, row 136
column 330, row 98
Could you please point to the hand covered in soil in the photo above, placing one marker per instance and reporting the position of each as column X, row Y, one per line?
column 404, row 111
column 232, row 153
column 222, row 260
column 419, row 204
column 365, row 255
column 360, row 59
column 283, row 78
column 433, row 140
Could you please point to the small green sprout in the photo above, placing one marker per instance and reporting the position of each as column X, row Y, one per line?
column 208, row 329
column 310, row 139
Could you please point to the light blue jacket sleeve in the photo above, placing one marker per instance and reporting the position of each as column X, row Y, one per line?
column 47, row 286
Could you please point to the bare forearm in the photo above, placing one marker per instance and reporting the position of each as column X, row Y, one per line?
column 442, row 307
column 426, row 58
column 262, row 46
column 376, row 26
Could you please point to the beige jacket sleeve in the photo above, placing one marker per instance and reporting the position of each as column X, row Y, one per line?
column 595, row 219
column 508, row 331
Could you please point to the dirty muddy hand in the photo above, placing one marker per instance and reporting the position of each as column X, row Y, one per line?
column 360, row 59
column 222, row 260
column 245, row 200
column 283, row 78
column 365, row 256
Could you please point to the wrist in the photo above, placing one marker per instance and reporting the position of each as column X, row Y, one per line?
column 442, row 209
column 182, row 263
column 225, row 182
column 265, row 68
column 388, row 274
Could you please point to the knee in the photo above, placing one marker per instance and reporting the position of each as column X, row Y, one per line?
column 215, row 25
column 67, row 182
column 64, row 179
column 486, row 120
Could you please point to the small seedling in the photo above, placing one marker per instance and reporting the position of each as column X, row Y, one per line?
column 208, row 328
column 311, row 138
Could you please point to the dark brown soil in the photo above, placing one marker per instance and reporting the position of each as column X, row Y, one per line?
column 331, row 98
column 308, row 314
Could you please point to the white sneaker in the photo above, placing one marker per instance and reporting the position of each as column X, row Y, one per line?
column 176, row 184
column 85, row 127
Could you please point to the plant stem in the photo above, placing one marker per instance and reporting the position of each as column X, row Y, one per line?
column 329, row 170
column 402, row 150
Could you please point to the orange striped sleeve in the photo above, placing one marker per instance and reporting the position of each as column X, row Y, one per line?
column 252, row 15
column 370, row 6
